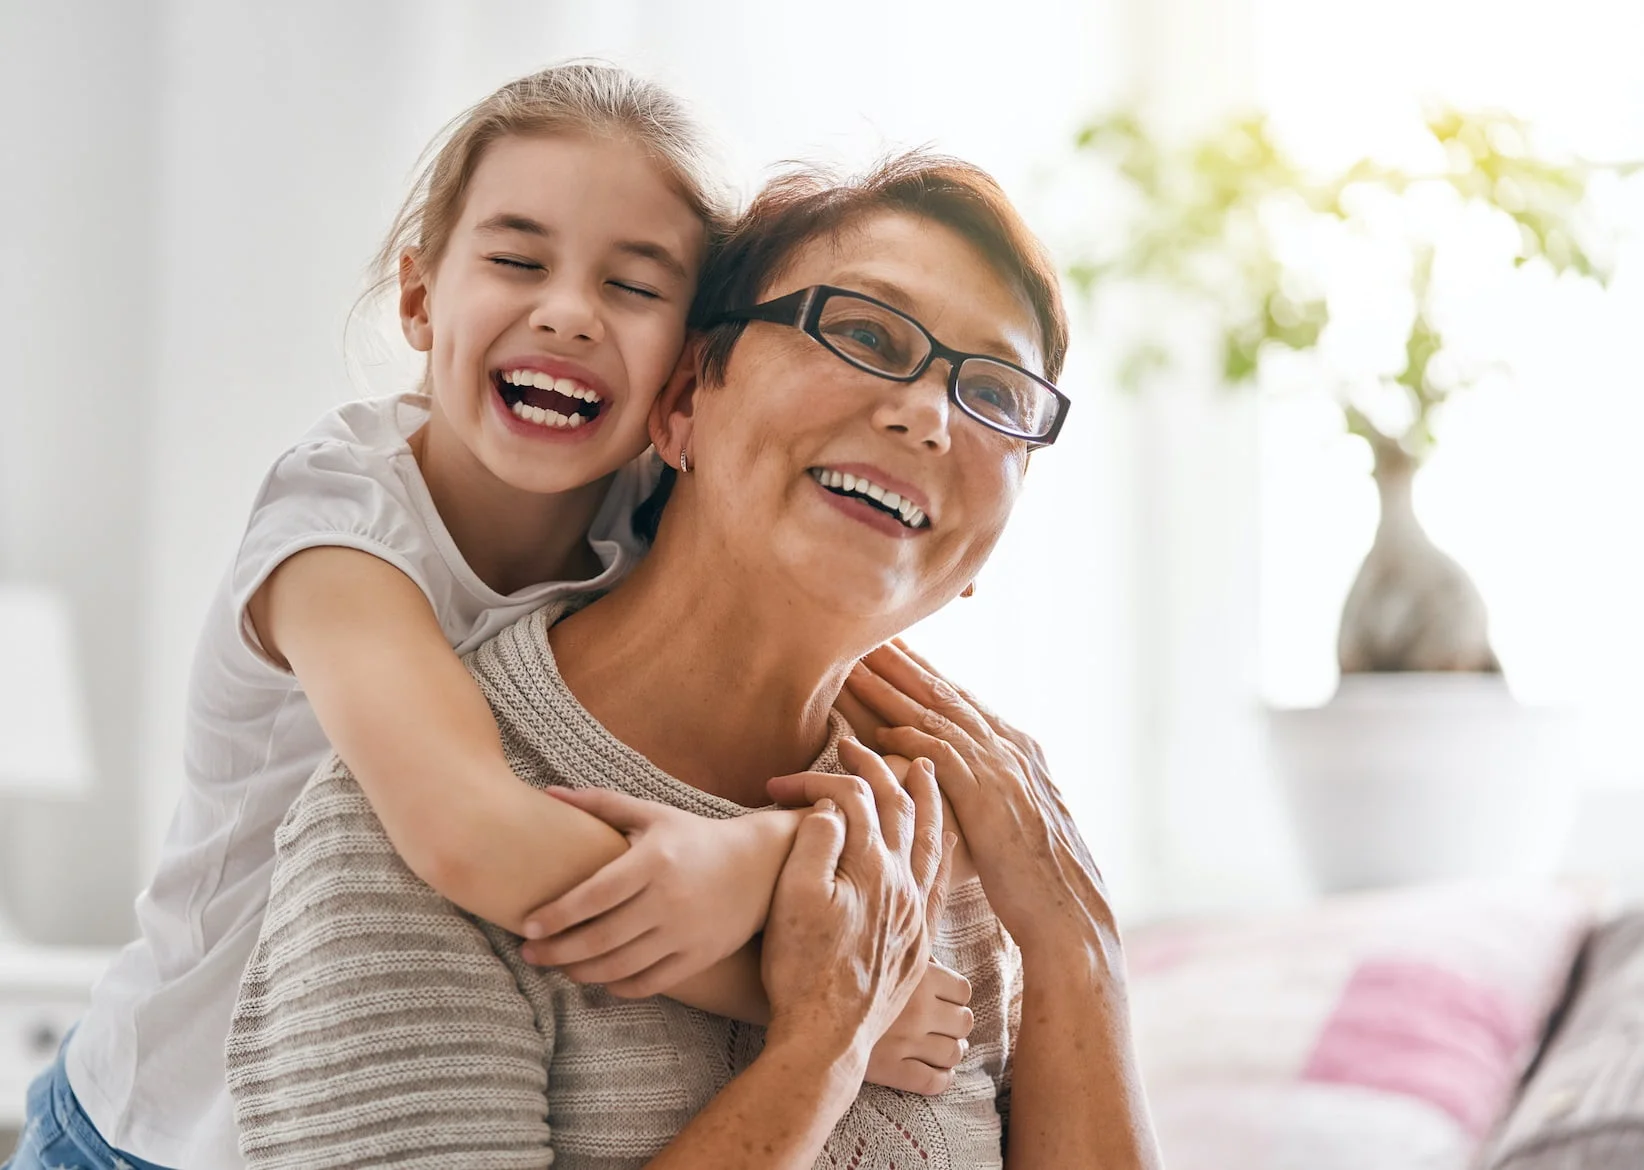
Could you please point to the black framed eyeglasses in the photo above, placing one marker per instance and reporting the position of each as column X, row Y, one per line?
column 882, row 340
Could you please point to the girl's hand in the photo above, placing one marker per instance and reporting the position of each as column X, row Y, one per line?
column 689, row 891
column 927, row 1040
column 1037, row 871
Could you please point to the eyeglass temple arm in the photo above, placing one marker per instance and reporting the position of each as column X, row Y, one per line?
column 782, row 311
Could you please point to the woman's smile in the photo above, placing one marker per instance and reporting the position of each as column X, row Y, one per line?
column 866, row 494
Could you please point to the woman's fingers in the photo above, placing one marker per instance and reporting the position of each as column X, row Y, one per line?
column 944, row 709
column 952, row 770
column 609, row 887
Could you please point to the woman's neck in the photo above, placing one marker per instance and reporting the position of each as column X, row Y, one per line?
column 704, row 677
column 510, row 538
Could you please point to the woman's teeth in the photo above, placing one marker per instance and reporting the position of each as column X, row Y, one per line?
column 547, row 418
column 844, row 484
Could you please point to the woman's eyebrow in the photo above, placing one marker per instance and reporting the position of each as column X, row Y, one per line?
column 994, row 345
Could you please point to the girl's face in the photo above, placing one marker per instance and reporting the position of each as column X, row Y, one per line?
column 765, row 447
column 557, row 310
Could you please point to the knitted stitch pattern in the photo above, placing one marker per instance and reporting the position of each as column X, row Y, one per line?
column 380, row 1025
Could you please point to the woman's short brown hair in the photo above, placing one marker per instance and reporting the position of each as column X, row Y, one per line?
column 797, row 207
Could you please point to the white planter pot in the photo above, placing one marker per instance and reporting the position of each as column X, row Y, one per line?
column 1427, row 777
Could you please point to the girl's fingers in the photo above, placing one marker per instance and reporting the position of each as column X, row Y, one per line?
column 897, row 815
column 925, row 850
column 950, row 987
column 622, row 812
column 626, row 961
column 614, row 883
column 654, row 980
column 603, row 935
column 938, row 1051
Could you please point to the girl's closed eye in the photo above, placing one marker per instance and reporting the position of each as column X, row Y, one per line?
column 637, row 290
column 516, row 263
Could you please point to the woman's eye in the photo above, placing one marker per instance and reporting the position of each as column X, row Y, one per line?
column 868, row 337
column 515, row 263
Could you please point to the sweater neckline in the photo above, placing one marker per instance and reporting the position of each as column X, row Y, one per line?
column 601, row 758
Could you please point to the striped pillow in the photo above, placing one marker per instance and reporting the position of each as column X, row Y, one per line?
column 1583, row 1107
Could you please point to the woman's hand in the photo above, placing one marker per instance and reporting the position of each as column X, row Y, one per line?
column 1038, row 873
column 689, row 891
column 856, row 906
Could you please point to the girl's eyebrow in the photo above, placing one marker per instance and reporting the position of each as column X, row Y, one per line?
column 658, row 254
column 511, row 221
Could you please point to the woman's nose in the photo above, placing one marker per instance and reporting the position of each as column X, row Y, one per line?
column 568, row 311
column 918, row 411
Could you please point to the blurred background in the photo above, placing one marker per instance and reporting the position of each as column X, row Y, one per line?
column 193, row 188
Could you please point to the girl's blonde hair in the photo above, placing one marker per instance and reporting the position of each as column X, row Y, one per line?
column 578, row 97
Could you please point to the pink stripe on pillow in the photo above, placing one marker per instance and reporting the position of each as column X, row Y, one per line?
column 1426, row 1032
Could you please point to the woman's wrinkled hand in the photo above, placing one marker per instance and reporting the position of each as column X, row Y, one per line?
column 1037, row 871
column 848, row 938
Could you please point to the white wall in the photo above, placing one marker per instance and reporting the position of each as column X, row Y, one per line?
column 78, row 95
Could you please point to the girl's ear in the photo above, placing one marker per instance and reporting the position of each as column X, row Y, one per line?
column 673, row 412
column 414, row 303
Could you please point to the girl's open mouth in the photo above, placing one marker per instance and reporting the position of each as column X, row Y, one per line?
column 558, row 403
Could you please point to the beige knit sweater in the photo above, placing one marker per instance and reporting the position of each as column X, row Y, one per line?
column 378, row 1024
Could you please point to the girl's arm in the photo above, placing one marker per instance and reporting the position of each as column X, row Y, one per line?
column 398, row 705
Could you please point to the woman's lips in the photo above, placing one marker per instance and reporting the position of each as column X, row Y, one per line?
column 862, row 511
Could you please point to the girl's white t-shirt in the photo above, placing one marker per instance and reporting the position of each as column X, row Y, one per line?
column 147, row 1061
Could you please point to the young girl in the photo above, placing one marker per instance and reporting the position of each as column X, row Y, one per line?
column 546, row 262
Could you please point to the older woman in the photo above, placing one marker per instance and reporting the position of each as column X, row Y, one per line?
column 849, row 446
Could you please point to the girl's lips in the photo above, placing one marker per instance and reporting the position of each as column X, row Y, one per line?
column 860, row 510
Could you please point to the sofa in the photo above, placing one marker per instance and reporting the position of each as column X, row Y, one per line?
column 1437, row 1028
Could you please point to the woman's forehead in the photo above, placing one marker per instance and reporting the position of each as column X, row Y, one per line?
column 929, row 271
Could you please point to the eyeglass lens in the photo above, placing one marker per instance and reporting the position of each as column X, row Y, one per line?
column 879, row 339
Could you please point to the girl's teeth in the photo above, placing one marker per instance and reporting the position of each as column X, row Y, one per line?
column 541, row 381
column 547, row 418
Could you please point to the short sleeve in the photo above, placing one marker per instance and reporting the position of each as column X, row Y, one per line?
column 328, row 493
column 375, row 1024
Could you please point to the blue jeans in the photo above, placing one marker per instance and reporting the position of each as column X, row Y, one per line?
column 59, row 1136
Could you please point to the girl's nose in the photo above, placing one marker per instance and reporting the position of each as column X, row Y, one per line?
column 569, row 312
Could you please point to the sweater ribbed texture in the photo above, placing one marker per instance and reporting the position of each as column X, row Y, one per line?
column 380, row 1025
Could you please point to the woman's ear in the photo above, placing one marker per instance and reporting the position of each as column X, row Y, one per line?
column 414, row 321
column 673, row 412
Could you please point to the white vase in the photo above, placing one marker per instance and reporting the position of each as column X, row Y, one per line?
column 1416, row 777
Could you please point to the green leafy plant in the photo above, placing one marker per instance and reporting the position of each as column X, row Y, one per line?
column 1210, row 223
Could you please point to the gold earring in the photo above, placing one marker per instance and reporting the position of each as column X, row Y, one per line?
column 968, row 590
column 684, row 464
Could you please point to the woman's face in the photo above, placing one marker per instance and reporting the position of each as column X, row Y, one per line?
column 765, row 447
